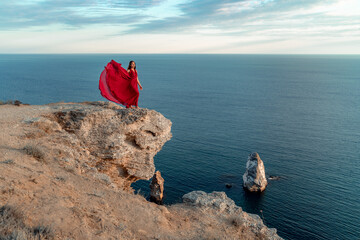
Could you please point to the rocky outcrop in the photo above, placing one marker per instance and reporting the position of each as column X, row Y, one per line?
column 104, row 138
column 254, row 179
column 69, row 166
column 219, row 204
column 216, row 200
column 157, row 188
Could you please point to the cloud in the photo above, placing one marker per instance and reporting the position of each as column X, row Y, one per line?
column 72, row 13
column 232, row 16
column 227, row 25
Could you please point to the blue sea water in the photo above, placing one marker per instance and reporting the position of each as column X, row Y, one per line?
column 301, row 113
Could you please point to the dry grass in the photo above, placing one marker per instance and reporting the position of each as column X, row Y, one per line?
column 244, row 230
column 35, row 134
column 237, row 221
column 35, row 151
column 12, row 226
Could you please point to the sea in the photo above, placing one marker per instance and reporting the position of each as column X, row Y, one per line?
column 300, row 113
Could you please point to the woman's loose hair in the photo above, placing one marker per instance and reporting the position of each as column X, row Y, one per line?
column 130, row 65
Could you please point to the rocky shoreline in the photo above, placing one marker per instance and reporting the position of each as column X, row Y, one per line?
column 66, row 171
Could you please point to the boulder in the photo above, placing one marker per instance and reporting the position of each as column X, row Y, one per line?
column 216, row 200
column 254, row 177
column 157, row 188
column 219, row 206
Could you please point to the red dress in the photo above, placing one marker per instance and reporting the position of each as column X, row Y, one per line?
column 118, row 85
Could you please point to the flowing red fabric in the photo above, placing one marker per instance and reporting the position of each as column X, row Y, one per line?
column 118, row 85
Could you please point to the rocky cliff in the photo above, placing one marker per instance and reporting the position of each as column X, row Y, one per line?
column 66, row 171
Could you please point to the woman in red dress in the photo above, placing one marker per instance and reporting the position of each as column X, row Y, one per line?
column 119, row 85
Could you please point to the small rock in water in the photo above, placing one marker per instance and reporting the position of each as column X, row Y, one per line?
column 157, row 188
column 228, row 185
column 274, row 177
column 254, row 177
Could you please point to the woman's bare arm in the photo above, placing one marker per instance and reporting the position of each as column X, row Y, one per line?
column 139, row 83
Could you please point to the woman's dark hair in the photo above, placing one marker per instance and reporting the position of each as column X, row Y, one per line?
column 130, row 65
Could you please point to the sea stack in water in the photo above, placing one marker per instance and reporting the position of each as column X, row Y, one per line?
column 254, row 177
column 157, row 188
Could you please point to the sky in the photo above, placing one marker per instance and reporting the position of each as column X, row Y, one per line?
column 180, row 26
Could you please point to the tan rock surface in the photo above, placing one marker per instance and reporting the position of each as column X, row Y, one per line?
column 157, row 188
column 254, row 179
column 69, row 166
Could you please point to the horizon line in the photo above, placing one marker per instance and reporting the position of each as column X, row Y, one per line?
column 183, row 53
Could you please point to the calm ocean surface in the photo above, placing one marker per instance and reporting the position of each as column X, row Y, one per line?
column 301, row 113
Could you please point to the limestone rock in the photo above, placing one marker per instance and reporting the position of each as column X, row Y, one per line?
column 92, row 152
column 217, row 200
column 271, row 177
column 254, row 178
column 115, row 141
column 157, row 188
column 221, row 206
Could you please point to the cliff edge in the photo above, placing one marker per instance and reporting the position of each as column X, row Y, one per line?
column 66, row 171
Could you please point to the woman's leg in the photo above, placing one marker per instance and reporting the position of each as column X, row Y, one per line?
column 133, row 101
column 136, row 100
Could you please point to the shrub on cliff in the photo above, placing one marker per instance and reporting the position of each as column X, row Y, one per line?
column 12, row 226
column 35, row 151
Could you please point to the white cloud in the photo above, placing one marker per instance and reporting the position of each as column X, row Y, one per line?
column 235, row 7
column 343, row 8
column 251, row 26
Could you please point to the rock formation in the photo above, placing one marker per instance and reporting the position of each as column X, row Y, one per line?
column 106, row 139
column 157, row 188
column 216, row 200
column 66, row 171
column 254, row 178
column 271, row 177
column 219, row 204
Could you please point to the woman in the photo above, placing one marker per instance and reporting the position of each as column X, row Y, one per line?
column 119, row 85
column 133, row 74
